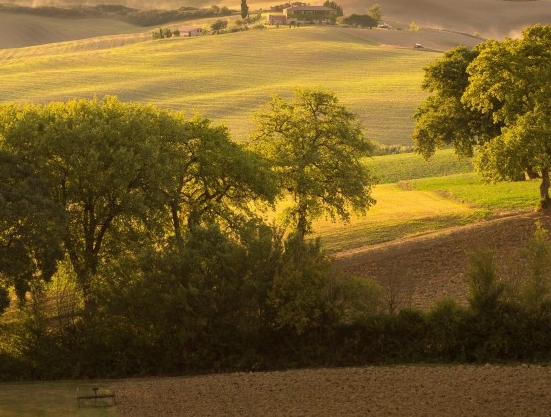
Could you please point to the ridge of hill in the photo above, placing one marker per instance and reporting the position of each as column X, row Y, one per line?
column 479, row 18
column 488, row 18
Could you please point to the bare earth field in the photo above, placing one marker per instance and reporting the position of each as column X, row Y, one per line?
column 371, row 391
column 435, row 266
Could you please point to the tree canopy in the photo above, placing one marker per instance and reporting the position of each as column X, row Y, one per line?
column 111, row 174
column 244, row 9
column 315, row 146
column 492, row 102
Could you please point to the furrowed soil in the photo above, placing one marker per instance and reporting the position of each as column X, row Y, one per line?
column 430, row 267
column 370, row 391
column 423, row 270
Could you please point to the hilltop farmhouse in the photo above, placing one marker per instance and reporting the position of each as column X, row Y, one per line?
column 190, row 31
column 296, row 14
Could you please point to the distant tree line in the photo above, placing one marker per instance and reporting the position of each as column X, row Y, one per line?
column 280, row 7
column 160, row 17
column 130, row 15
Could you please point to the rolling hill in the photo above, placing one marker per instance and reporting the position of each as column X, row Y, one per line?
column 212, row 76
column 485, row 18
column 376, row 72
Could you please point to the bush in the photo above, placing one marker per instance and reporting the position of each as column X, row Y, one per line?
column 356, row 299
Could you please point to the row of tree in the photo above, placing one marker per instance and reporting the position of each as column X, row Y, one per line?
column 157, row 224
column 86, row 178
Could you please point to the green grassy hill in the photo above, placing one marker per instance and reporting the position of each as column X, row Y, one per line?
column 227, row 77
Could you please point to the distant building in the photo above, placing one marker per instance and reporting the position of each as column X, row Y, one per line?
column 309, row 13
column 275, row 19
column 190, row 31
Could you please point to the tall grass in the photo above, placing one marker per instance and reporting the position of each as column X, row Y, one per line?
column 227, row 77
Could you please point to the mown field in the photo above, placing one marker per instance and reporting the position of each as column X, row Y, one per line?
column 228, row 77
column 415, row 196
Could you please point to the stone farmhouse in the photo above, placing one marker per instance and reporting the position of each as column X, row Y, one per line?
column 190, row 31
column 309, row 13
column 296, row 14
column 276, row 19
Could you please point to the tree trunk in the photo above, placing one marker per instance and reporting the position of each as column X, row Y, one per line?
column 544, row 186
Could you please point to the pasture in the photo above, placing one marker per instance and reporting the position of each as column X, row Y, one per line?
column 228, row 77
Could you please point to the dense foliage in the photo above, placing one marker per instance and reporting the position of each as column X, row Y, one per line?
column 134, row 240
column 361, row 20
column 146, row 17
column 494, row 100
column 131, row 236
column 315, row 147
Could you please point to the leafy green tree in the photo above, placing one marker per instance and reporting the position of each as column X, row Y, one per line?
column 300, row 295
column 31, row 227
column 493, row 99
column 315, row 146
column 99, row 159
column 244, row 9
column 219, row 25
column 376, row 12
column 334, row 6
column 209, row 179
column 361, row 20
column 537, row 285
column 444, row 119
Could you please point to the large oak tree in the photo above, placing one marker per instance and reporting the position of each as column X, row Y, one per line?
column 315, row 146
column 493, row 102
column 121, row 175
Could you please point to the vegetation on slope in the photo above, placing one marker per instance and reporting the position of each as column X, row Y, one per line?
column 380, row 85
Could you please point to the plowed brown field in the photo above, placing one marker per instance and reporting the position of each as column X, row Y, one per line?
column 372, row 391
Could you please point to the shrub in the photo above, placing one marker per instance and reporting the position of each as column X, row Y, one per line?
column 537, row 287
column 356, row 299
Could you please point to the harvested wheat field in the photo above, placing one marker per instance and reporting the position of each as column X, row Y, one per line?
column 371, row 391
column 435, row 265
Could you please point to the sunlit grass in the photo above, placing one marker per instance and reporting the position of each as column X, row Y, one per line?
column 405, row 166
column 410, row 207
column 397, row 214
column 519, row 195
column 228, row 77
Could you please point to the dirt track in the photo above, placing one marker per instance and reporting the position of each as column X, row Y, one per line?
column 372, row 391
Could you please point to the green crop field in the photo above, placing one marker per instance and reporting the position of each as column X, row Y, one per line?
column 228, row 77
column 406, row 166
column 424, row 196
